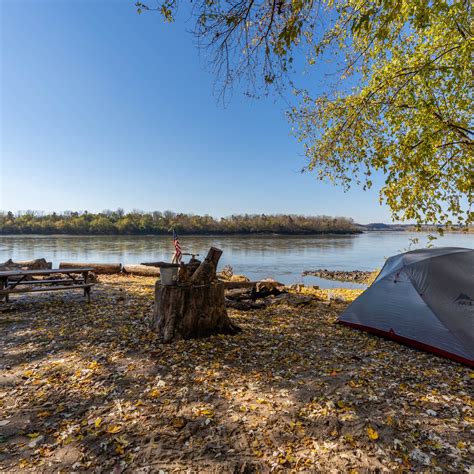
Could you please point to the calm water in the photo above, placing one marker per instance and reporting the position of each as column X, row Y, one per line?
column 281, row 257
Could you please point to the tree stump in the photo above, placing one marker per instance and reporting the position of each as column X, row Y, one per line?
column 195, row 307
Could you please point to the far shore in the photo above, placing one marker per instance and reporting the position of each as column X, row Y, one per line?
column 200, row 234
column 395, row 229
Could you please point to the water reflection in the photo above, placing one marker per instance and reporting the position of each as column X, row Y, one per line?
column 280, row 257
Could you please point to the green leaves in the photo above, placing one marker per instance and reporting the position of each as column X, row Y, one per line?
column 409, row 114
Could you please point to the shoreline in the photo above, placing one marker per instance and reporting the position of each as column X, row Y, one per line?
column 200, row 234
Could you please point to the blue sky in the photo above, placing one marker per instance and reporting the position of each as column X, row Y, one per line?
column 104, row 108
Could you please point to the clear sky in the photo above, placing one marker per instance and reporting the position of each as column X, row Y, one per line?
column 104, row 108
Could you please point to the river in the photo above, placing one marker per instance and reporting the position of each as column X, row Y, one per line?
column 271, row 256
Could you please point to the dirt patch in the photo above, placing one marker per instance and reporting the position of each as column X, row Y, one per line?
column 87, row 387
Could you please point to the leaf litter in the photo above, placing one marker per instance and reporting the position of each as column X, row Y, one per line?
column 88, row 387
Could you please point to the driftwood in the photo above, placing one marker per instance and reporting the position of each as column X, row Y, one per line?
column 230, row 285
column 99, row 268
column 37, row 264
column 141, row 270
column 194, row 308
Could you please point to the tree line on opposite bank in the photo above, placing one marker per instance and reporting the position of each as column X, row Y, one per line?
column 137, row 222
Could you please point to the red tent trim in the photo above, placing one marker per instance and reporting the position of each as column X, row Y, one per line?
column 410, row 342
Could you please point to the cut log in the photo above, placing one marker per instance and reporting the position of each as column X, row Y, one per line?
column 141, row 270
column 37, row 264
column 99, row 268
column 239, row 294
column 189, row 311
column 206, row 272
column 230, row 285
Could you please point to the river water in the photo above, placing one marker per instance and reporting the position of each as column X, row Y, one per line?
column 281, row 257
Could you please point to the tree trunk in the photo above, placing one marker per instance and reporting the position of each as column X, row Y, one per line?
column 99, row 268
column 188, row 311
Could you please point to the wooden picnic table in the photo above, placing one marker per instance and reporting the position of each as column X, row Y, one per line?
column 17, row 281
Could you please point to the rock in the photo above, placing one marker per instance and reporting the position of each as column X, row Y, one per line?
column 357, row 276
column 420, row 457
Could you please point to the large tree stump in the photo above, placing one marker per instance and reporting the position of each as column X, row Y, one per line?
column 195, row 307
column 188, row 311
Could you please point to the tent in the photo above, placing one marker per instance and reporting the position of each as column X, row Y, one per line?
column 423, row 298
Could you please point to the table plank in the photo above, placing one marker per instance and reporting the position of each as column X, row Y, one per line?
column 11, row 273
column 45, row 289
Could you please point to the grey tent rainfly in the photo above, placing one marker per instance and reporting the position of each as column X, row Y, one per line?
column 423, row 298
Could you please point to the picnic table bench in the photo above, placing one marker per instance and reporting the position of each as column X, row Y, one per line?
column 17, row 281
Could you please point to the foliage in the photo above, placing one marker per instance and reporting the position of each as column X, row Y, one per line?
column 137, row 222
column 399, row 104
column 409, row 114
column 88, row 387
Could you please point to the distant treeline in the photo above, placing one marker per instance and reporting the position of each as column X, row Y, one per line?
column 140, row 223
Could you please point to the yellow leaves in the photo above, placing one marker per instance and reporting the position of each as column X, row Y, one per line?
column 112, row 429
column 33, row 435
column 206, row 412
column 178, row 422
column 93, row 365
column 296, row 424
column 120, row 444
column 23, row 463
column 155, row 393
column 355, row 383
column 349, row 438
column 44, row 414
column 285, row 458
column 372, row 433
column 28, row 373
column 98, row 422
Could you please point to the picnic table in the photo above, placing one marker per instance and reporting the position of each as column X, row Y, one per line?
column 18, row 281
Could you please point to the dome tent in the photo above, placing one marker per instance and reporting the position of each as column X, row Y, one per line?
column 423, row 298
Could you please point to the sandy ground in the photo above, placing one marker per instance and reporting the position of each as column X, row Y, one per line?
column 88, row 388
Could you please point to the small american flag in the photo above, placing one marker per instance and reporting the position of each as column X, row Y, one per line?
column 177, row 248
